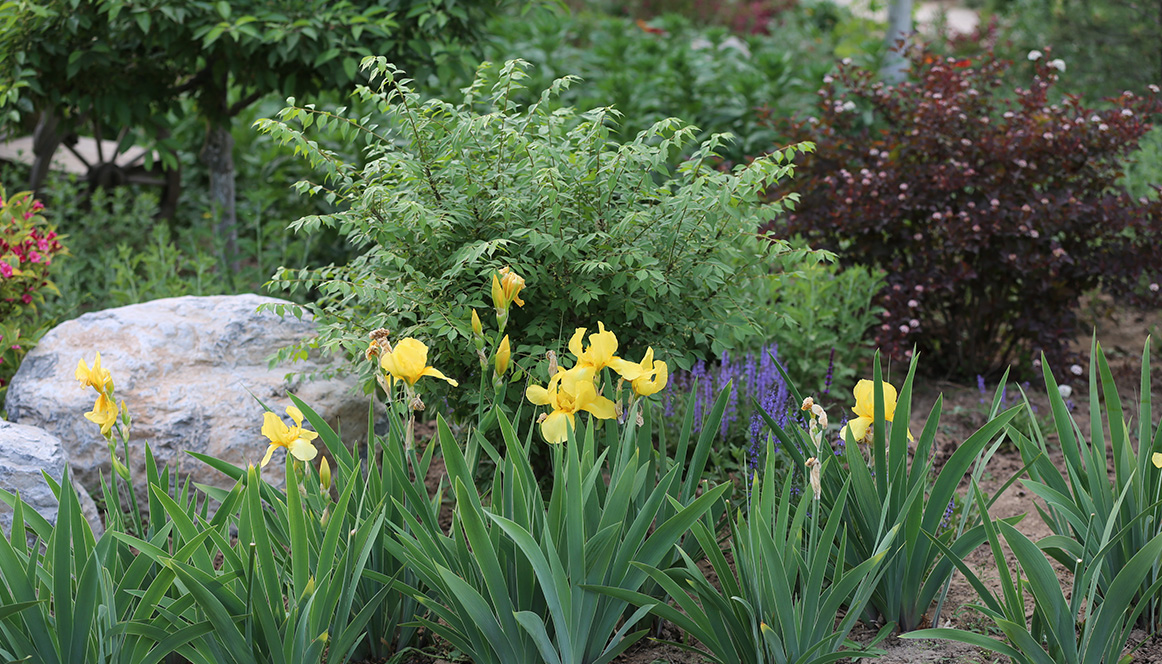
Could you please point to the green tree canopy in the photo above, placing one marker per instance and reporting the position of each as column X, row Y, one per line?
column 128, row 63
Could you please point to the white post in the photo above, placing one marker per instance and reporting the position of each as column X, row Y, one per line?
column 899, row 27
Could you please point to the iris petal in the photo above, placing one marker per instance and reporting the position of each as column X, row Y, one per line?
column 302, row 449
column 858, row 427
column 436, row 373
column 538, row 395
column 626, row 369
column 601, row 408
column 554, row 428
column 864, row 393
column 389, row 364
column 575, row 342
column 274, row 428
column 295, row 414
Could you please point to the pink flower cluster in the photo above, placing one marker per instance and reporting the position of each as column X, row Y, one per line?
column 27, row 248
column 38, row 247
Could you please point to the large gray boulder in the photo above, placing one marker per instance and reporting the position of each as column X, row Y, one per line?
column 24, row 453
column 189, row 369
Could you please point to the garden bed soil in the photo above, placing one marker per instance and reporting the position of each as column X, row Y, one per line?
column 1122, row 333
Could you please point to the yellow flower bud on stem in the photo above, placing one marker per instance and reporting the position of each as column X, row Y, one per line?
column 477, row 328
column 120, row 468
column 325, row 476
column 503, row 356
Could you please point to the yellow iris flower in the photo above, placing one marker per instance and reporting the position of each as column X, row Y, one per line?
column 569, row 392
column 503, row 356
column 408, row 361
column 506, row 289
column 98, row 378
column 296, row 440
column 600, row 352
column 1156, row 459
column 864, row 393
column 104, row 411
column 650, row 376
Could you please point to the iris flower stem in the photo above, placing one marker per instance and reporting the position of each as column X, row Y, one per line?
column 122, row 434
column 409, row 438
column 414, row 462
column 137, row 521
column 472, row 449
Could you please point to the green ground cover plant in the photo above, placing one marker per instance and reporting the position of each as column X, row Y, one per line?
column 826, row 315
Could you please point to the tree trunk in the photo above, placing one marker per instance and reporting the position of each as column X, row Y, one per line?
column 45, row 141
column 218, row 156
column 899, row 27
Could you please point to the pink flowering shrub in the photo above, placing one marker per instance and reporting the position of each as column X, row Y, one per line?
column 28, row 246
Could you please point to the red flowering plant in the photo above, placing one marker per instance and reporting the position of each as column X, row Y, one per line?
column 28, row 246
column 991, row 211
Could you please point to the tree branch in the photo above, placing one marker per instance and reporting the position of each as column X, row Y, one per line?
column 241, row 104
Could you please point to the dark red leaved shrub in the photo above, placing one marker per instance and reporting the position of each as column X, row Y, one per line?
column 991, row 212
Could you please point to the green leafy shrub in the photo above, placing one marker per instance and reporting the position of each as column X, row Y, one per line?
column 1108, row 46
column 741, row 16
column 822, row 317
column 122, row 255
column 1143, row 173
column 599, row 230
column 673, row 67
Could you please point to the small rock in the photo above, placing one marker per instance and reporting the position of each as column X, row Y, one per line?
column 24, row 453
column 190, row 370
